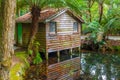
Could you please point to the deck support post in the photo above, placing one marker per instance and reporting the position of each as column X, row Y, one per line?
column 58, row 56
column 46, row 56
column 71, row 53
column 79, row 49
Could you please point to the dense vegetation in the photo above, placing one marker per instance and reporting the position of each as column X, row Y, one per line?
column 101, row 19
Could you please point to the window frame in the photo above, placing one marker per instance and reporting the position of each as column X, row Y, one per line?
column 74, row 26
column 55, row 26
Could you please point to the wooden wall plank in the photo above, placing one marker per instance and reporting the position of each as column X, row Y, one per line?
column 65, row 37
column 40, row 36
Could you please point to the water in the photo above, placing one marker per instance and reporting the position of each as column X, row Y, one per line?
column 94, row 66
column 100, row 66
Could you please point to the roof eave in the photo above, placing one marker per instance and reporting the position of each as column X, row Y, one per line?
column 55, row 15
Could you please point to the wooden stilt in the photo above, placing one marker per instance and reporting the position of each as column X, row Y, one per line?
column 46, row 55
column 79, row 50
column 58, row 56
column 71, row 53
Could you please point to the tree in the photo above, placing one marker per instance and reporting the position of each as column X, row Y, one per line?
column 100, row 4
column 8, row 25
column 89, row 5
column 21, row 7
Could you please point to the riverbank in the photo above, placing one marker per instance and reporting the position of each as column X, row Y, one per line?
column 108, row 45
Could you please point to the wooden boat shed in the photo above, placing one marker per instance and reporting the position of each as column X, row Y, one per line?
column 58, row 30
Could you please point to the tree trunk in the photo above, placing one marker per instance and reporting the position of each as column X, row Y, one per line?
column 100, row 11
column 1, row 19
column 8, row 25
column 89, row 5
column 35, row 19
column 89, row 10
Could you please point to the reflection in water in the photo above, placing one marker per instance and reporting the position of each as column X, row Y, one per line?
column 101, row 66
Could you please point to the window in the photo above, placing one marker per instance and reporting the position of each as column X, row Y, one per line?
column 75, row 27
column 52, row 28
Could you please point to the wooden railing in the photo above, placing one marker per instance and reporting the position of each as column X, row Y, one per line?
column 62, row 42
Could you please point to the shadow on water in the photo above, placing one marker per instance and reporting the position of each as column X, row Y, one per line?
column 95, row 66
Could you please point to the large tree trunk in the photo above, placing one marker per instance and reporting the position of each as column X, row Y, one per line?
column 35, row 19
column 7, row 37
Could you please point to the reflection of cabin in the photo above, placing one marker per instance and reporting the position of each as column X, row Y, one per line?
column 57, row 30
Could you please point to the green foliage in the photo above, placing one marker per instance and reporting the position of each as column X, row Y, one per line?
column 112, row 26
column 98, row 31
column 22, row 7
column 37, row 59
column 96, row 36
column 74, row 5
column 35, row 53
column 30, row 52
column 42, row 3
column 111, row 16
column 37, row 43
column 23, row 56
column 116, row 48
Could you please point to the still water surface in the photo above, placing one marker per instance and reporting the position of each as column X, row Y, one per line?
column 98, row 66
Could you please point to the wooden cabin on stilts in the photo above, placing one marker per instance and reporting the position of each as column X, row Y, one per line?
column 58, row 31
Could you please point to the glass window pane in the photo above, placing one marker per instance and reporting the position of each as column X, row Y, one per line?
column 75, row 26
column 52, row 26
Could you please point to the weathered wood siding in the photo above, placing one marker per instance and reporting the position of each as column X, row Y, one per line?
column 65, row 37
column 40, row 36
column 26, row 33
column 66, row 70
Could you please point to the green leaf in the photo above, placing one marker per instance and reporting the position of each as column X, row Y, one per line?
column 30, row 52
column 37, row 59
